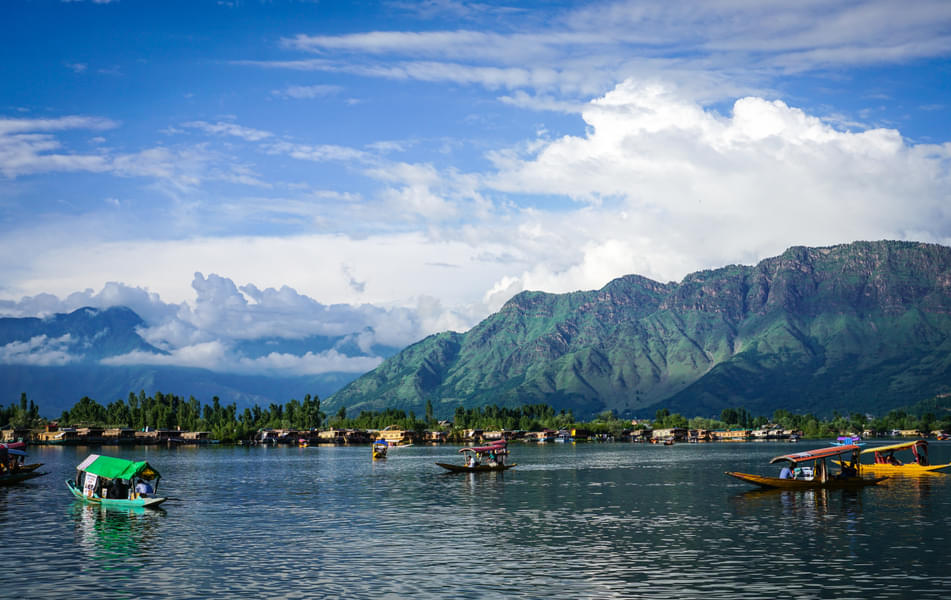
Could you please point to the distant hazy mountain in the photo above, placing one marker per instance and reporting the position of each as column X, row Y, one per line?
column 857, row 327
column 56, row 361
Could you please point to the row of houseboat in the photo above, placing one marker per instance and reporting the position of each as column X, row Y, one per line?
column 55, row 435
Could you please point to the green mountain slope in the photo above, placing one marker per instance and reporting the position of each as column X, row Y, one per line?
column 856, row 327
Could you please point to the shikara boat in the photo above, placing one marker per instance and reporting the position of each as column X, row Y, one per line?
column 809, row 470
column 380, row 448
column 12, row 467
column 884, row 459
column 481, row 458
column 113, row 482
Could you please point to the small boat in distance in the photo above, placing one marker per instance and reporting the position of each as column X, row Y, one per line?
column 808, row 470
column 846, row 440
column 482, row 458
column 885, row 461
column 379, row 449
column 116, row 482
column 12, row 467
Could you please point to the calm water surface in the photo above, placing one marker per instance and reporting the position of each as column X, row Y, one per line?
column 577, row 521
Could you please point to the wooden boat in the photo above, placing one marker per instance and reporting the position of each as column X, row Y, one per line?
column 481, row 459
column 809, row 470
column 380, row 448
column 19, row 476
column 112, row 482
column 476, row 469
column 12, row 469
column 885, row 461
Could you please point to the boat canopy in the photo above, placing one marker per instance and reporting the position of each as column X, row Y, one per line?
column 815, row 454
column 116, row 468
column 496, row 447
column 893, row 447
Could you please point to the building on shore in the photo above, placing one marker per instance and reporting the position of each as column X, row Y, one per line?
column 731, row 435
column 398, row 437
column 677, row 434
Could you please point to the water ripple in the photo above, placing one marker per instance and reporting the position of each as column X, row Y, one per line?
column 595, row 521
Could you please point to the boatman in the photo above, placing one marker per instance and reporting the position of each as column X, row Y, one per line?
column 143, row 489
column 786, row 473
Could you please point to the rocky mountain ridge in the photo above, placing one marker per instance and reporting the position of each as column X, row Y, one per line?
column 853, row 327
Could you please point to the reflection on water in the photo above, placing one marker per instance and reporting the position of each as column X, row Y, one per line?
column 116, row 537
column 585, row 521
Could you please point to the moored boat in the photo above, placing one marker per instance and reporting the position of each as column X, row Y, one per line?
column 808, row 470
column 118, row 482
column 481, row 458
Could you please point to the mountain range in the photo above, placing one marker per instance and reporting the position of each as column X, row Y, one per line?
column 862, row 327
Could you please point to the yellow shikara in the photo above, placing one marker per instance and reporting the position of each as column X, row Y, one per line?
column 884, row 460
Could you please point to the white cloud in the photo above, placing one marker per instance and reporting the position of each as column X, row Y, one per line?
column 668, row 186
column 216, row 357
column 38, row 351
column 223, row 128
column 26, row 147
column 316, row 153
column 13, row 126
column 583, row 50
column 307, row 92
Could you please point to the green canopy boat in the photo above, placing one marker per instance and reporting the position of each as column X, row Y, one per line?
column 116, row 482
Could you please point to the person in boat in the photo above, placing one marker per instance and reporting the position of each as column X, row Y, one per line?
column 473, row 463
column 850, row 469
column 786, row 472
column 143, row 488
column 117, row 489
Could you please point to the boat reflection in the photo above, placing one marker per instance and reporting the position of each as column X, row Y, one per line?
column 803, row 504
column 116, row 535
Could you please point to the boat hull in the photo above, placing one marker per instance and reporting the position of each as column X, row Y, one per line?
column 910, row 469
column 15, row 478
column 804, row 484
column 117, row 502
column 906, row 469
column 476, row 469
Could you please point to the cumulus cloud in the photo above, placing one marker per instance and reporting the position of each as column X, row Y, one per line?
column 664, row 183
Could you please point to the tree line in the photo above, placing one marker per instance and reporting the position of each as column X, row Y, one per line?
column 228, row 424
column 921, row 417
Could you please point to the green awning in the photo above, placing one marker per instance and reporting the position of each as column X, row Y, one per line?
column 116, row 468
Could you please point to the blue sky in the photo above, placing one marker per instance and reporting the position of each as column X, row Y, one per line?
column 386, row 170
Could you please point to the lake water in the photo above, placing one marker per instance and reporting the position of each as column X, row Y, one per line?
column 573, row 521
